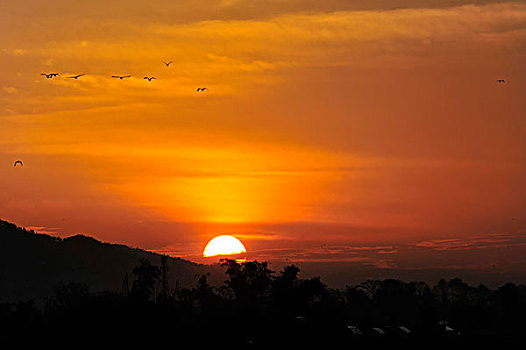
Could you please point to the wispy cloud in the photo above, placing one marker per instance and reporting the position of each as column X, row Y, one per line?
column 53, row 231
column 493, row 241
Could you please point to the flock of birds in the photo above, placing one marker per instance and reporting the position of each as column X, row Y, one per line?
column 121, row 77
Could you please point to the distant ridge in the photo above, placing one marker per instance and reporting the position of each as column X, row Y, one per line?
column 32, row 264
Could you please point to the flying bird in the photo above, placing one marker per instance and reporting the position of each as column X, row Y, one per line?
column 76, row 76
column 19, row 162
column 121, row 76
column 201, row 89
column 149, row 78
column 501, row 81
column 50, row 75
column 167, row 63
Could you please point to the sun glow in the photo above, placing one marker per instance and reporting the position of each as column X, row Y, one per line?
column 224, row 245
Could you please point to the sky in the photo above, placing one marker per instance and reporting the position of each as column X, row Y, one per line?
column 371, row 133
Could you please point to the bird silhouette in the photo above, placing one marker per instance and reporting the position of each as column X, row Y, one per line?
column 501, row 81
column 167, row 63
column 201, row 89
column 50, row 75
column 121, row 76
column 76, row 76
column 19, row 162
column 149, row 78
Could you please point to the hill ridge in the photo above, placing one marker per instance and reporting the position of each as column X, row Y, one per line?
column 32, row 263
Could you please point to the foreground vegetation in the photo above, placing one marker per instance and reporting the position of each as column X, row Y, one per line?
column 256, row 305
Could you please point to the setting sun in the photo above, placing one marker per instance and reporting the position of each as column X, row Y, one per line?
column 224, row 245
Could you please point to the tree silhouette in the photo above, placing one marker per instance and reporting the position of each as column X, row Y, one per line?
column 146, row 280
column 256, row 302
column 285, row 292
column 511, row 305
column 287, row 277
column 247, row 280
column 359, row 307
column 68, row 296
column 397, row 302
column 370, row 287
column 205, row 295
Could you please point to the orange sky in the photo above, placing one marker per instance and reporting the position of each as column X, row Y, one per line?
column 356, row 126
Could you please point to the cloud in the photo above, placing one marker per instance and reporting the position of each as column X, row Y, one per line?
column 16, row 52
column 287, row 34
column 10, row 90
column 53, row 231
column 231, row 55
column 488, row 241
column 258, row 236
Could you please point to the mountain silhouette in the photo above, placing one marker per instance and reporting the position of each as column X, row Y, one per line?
column 32, row 264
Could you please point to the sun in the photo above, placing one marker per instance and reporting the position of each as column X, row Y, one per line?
column 224, row 245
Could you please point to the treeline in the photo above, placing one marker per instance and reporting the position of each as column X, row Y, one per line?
column 257, row 305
